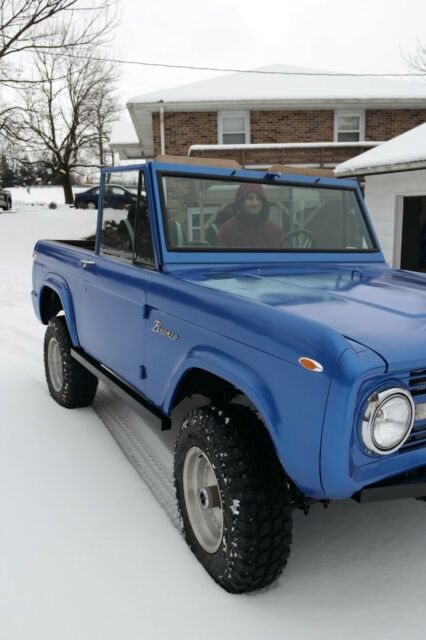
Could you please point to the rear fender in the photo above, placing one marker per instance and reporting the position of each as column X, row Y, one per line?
column 59, row 285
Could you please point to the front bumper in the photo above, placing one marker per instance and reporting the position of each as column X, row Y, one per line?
column 411, row 485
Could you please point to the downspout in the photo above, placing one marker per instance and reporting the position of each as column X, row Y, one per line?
column 162, row 135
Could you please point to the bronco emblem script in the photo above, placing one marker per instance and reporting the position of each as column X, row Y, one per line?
column 158, row 328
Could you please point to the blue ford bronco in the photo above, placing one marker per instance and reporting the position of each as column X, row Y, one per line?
column 266, row 294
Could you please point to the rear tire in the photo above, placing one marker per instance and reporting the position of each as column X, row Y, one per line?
column 70, row 384
column 233, row 497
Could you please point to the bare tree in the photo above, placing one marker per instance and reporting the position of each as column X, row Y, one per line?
column 27, row 26
column 57, row 115
column 106, row 108
column 417, row 60
column 30, row 24
column 20, row 21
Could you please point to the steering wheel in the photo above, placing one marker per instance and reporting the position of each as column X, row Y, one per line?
column 297, row 239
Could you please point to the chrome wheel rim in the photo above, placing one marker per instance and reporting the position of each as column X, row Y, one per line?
column 202, row 499
column 54, row 360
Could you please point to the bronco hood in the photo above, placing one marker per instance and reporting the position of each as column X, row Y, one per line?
column 380, row 308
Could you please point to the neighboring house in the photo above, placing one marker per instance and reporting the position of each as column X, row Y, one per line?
column 261, row 119
column 395, row 193
column 125, row 141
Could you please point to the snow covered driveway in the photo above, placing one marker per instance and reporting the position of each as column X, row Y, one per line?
column 87, row 552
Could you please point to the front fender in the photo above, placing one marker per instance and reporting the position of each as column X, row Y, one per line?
column 338, row 467
column 236, row 373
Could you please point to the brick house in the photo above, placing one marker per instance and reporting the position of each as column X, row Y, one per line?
column 282, row 115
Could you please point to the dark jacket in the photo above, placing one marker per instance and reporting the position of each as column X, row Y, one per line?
column 242, row 232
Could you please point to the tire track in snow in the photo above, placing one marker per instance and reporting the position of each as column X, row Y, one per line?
column 139, row 441
column 150, row 457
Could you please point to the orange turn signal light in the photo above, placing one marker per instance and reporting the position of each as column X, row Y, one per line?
column 311, row 365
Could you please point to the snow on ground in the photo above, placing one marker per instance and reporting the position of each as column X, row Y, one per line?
column 40, row 195
column 87, row 552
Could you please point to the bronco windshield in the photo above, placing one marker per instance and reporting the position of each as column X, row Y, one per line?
column 204, row 214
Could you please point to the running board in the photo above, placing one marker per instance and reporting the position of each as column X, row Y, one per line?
column 137, row 402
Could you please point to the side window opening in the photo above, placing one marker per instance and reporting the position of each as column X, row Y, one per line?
column 143, row 246
column 126, row 232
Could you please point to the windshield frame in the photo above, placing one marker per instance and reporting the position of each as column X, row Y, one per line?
column 177, row 260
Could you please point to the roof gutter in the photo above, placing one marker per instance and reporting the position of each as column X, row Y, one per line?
column 386, row 168
column 282, row 145
column 270, row 104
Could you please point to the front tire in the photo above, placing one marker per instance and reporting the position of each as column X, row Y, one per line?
column 70, row 384
column 233, row 497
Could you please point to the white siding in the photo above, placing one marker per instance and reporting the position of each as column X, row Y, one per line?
column 382, row 196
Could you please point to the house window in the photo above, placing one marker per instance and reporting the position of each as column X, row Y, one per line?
column 234, row 127
column 348, row 126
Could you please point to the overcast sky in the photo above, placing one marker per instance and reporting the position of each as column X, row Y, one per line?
column 367, row 36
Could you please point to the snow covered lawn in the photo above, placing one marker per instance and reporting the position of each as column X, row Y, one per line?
column 40, row 195
column 87, row 552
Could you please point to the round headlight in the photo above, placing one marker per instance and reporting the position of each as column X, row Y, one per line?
column 388, row 420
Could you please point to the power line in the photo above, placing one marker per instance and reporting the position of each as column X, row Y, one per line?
column 230, row 70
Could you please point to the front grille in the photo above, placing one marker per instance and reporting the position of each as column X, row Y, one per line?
column 417, row 385
column 417, row 382
column 417, row 437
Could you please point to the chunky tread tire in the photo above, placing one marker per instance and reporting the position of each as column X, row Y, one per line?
column 255, row 497
column 79, row 385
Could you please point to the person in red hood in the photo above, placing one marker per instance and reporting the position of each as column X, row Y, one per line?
column 250, row 226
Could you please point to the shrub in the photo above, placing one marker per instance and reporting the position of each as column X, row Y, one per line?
column 53, row 205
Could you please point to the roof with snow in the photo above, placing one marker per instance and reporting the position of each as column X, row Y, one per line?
column 407, row 151
column 300, row 84
column 272, row 87
column 123, row 131
column 124, row 139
